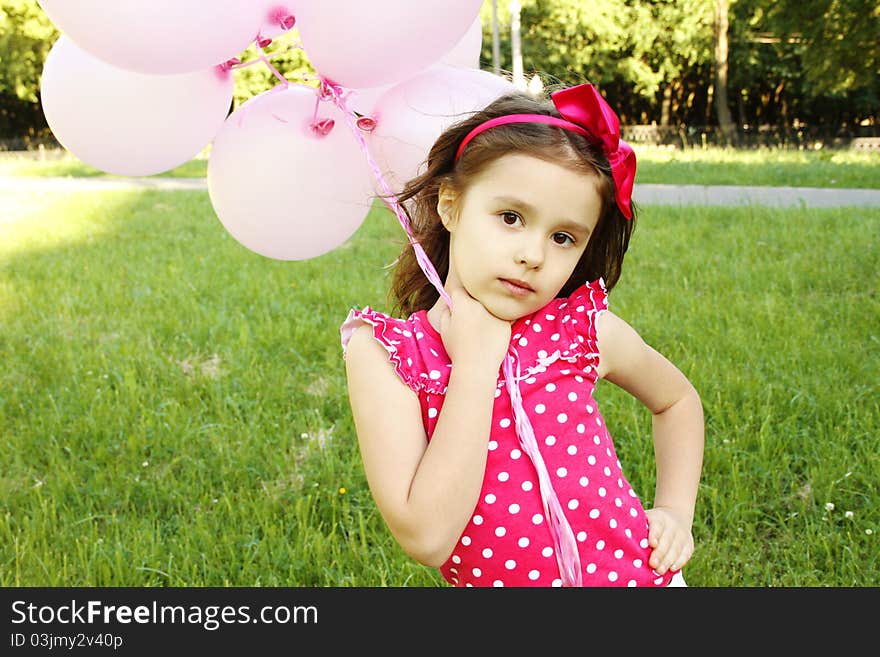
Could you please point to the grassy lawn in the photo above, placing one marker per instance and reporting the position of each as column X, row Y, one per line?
column 711, row 166
column 173, row 407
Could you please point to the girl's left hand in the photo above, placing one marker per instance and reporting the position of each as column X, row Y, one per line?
column 670, row 537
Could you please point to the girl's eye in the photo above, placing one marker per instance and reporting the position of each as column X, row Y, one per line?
column 563, row 238
column 509, row 218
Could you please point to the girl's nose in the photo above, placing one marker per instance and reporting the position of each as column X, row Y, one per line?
column 530, row 253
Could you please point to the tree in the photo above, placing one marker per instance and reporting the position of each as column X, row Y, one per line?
column 722, row 108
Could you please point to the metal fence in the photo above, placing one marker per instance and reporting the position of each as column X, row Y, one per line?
column 864, row 138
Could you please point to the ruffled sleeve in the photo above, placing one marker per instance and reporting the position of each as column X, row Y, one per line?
column 583, row 307
column 399, row 338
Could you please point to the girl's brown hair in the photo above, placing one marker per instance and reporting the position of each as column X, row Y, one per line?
column 603, row 257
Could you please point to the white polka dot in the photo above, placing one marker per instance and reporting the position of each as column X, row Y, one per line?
column 628, row 532
column 490, row 498
column 534, row 574
column 583, row 481
column 531, row 380
column 409, row 361
column 562, row 418
column 589, row 409
column 579, row 378
column 618, row 502
column 432, row 412
column 478, row 520
column 435, row 374
column 515, row 454
column 537, row 519
column 536, row 328
column 580, row 309
column 597, row 440
column 581, row 536
column 637, row 563
column 540, row 408
column 500, row 531
column 504, row 423
column 523, row 542
column 550, row 387
column 612, row 523
column 658, row 581
column 510, row 564
column 599, row 421
column 633, row 512
column 612, row 576
column 618, row 554
column 542, row 353
column 547, row 552
column 602, row 492
column 607, row 471
column 523, row 342
column 572, row 450
column 572, row 396
column 477, row 572
column 465, row 540
column 591, row 568
column 527, row 485
column 581, row 428
column 487, row 553
column 456, row 558
column 497, row 583
column 600, row 544
column 557, row 583
column 594, row 513
column 561, row 472
column 631, row 583
column 573, row 504
column 550, row 440
column 493, row 445
column 419, row 335
column 497, row 393
column 591, row 459
column 513, row 508
column 407, row 334
column 503, row 476
column 550, row 318
column 554, row 337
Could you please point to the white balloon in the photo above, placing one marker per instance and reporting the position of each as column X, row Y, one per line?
column 369, row 44
column 280, row 189
column 128, row 123
column 411, row 115
column 158, row 36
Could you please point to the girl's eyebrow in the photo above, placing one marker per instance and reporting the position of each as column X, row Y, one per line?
column 568, row 224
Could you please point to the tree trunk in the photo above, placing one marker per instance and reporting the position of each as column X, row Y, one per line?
column 496, row 47
column 722, row 109
column 519, row 78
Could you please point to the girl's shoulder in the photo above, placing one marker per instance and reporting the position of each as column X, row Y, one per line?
column 413, row 346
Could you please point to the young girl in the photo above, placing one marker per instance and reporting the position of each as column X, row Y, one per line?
column 482, row 443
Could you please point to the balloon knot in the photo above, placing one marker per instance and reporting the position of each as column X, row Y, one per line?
column 366, row 123
column 323, row 127
column 262, row 41
column 229, row 63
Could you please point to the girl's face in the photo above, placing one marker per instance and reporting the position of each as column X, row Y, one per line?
column 518, row 232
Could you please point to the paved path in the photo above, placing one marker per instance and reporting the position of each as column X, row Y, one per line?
column 646, row 194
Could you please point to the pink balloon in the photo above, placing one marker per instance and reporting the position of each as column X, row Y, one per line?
column 281, row 189
column 412, row 114
column 128, row 123
column 368, row 44
column 467, row 51
column 158, row 36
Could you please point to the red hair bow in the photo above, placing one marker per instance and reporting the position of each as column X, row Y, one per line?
column 584, row 106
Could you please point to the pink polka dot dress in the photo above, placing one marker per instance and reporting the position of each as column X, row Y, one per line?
column 508, row 540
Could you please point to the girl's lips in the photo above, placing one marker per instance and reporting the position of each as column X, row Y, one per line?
column 515, row 289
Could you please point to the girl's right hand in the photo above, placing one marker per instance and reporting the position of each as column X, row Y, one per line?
column 471, row 334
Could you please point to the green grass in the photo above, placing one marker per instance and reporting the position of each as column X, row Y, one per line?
column 173, row 407
column 710, row 166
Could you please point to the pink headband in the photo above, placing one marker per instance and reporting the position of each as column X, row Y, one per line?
column 584, row 111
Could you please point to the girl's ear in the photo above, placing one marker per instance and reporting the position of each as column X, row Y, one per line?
column 446, row 206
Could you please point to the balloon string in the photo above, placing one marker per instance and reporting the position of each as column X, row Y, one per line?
column 337, row 94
